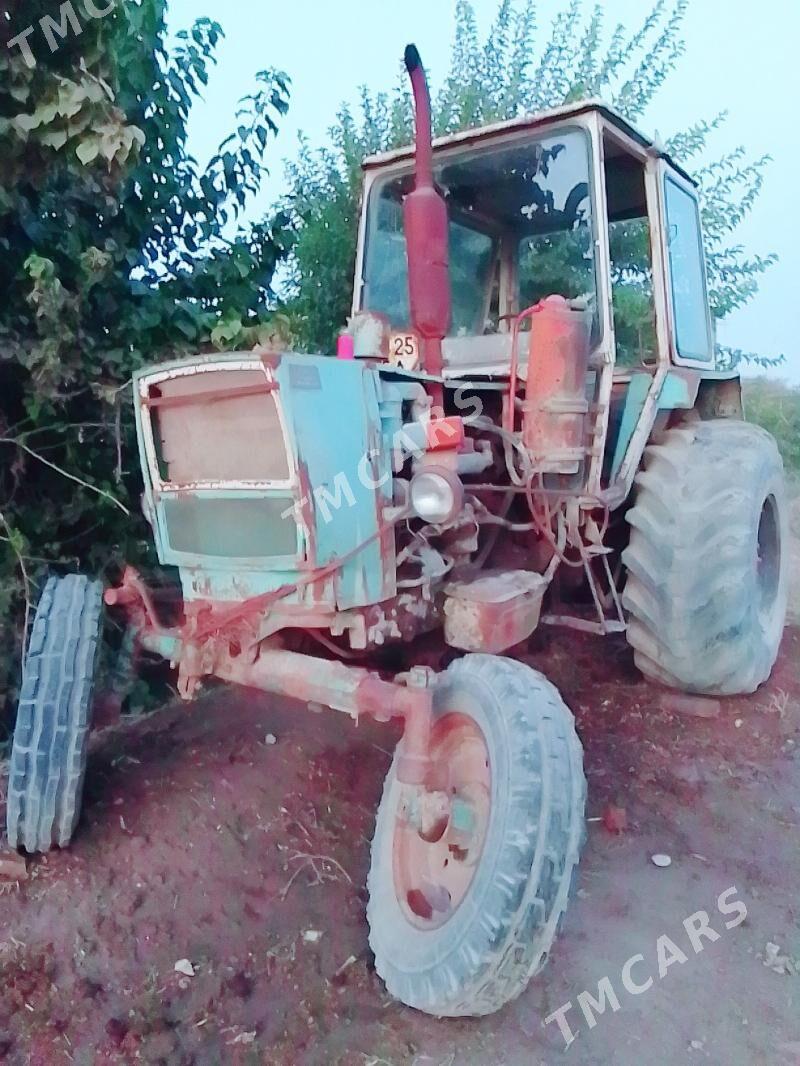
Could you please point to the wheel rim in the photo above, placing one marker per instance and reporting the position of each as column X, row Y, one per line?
column 438, row 843
column 768, row 555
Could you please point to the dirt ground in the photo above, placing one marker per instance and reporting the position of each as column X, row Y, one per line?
column 794, row 552
column 204, row 841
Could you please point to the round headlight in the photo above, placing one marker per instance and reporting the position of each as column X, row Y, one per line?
column 435, row 497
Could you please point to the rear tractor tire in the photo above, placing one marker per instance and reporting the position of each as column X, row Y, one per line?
column 48, row 755
column 706, row 592
column 464, row 909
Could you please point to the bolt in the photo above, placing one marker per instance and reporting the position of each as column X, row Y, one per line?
column 420, row 677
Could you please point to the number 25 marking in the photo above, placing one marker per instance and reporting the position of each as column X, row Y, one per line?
column 405, row 345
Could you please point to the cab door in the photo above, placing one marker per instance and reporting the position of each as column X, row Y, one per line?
column 691, row 329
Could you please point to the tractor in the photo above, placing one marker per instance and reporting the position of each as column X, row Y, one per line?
column 525, row 424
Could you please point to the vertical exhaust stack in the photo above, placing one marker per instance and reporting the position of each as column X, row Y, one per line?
column 427, row 233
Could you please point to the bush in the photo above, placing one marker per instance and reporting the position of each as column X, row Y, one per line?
column 115, row 251
column 776, row 406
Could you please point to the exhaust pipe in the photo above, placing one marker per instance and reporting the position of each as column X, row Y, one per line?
column 427, row 233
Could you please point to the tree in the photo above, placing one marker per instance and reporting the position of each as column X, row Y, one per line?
column 115, row 249
column 512, row 72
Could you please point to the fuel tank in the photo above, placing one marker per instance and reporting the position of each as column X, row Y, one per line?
column 556, row 407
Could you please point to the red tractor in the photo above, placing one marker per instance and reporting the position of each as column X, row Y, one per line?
column 526, row 425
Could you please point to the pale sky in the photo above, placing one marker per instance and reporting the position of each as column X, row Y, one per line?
column 741, row 56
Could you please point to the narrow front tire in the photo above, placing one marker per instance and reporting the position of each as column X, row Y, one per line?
column 48, row 755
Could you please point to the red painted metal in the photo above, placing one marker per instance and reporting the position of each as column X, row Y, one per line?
column 494, row 612
column 556, row 406
column 210, row 396
column 352, row 690
column 427, row 234
column 445, row 433
column 207, row 622
column 134, row 595
column 219, row 620
column 510, row 403
column 208, row 642
column 124, row 596
column 440, row 830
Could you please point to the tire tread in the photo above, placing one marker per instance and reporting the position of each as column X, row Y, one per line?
column 692, row 620
column 48, row 756
column 526, row 909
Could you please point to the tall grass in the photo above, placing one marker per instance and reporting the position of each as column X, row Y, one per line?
column 776, row 406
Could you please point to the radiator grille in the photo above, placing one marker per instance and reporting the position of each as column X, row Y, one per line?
column 204, row 432
column 231, row 528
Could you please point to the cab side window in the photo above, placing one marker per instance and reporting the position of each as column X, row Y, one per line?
column 687, row 269
column 631, row 259
column 632, row 291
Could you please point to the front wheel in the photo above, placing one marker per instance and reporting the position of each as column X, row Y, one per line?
column 48, row 756
column 471, row 876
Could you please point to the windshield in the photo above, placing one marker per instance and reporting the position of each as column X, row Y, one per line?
column 521, row 229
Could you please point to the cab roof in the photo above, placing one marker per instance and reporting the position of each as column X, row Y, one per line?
column 532, row 122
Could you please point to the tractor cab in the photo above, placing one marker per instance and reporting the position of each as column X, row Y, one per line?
column 573, row 203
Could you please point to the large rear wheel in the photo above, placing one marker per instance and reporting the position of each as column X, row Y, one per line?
column 471, row 876
column 707, row 580
column 48, row 756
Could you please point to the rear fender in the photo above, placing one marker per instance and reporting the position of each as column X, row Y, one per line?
column 712, row 394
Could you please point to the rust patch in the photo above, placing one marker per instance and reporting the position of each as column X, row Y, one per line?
column 305, row 508
column 495, row 612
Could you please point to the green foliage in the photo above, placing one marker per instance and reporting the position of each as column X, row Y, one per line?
column 116, row 249
column 516, row 70
column 632, row 280
column 776, row 406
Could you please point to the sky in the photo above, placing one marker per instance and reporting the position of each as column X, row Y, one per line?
column 741, row 56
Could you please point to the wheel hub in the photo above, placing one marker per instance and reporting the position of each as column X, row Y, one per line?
column 768, row 555
column 441, row 827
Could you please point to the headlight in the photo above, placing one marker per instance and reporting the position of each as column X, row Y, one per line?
column 437, row 496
